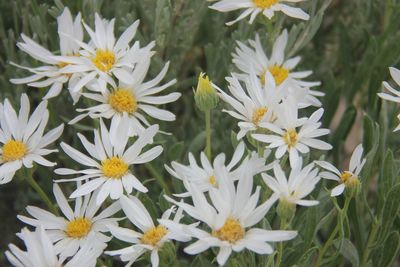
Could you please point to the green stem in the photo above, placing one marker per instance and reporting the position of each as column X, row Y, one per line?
column 279, row 255
column 208, row 133
column 329, row 242
column 42, row 194
column 260, row 149
column 158, row 177
column 370, row 242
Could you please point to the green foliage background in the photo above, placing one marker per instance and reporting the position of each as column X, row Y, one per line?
column 348, row 44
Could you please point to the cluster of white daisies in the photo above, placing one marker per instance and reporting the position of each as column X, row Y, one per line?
column 265, row 94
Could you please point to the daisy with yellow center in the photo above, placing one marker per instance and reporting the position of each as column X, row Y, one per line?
column 394, row 94
column 230, row 222
column 253, row 103
column 203, row 175
column 76, row 228
column 104, row 59
column 151, row 238
column 51, row 73
column 109, row 161
column 293, row 189
column 136, row 99
column 346, row 179
column 41, row 252
column 292, row 134
column 252, row 59
column 254, row 7
column 22, row 141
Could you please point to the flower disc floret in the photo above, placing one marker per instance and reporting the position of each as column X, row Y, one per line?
column 290, row 138
column 265, row 3
column 123, row 100
column 154, row 235
column 231, row 231
column 14, row 150
column 114, row 167
column 104, row 60
column 79, row 227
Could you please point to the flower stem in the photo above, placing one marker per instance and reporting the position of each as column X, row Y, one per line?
column 279, row 255
column 41, row 193
column 208, row 133
column 329, row 242
column 158, row 177
column 370, row 242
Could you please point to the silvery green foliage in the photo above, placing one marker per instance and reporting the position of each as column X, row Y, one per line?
column 348, row 44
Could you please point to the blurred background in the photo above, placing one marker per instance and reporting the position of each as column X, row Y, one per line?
column 348, row 44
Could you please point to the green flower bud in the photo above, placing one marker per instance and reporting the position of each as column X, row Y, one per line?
column 206, row 97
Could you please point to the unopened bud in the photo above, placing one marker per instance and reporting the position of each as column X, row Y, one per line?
column 206, row 97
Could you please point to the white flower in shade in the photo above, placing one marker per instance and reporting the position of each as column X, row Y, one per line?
column 151, row 238
column 40, row 252
column 104, row 58
column 204, row 178
column 301, row 183
column 292, row 134
column 395, row 96
column 253, row 104
column 255, row 7
column 349, row 178
column 109, row 161
column 135, row 100
column 21, row 137
column 51, row 74
column 229, row 218
column 253, row 59
column 70, row 233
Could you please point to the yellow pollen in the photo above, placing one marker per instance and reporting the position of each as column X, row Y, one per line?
column 114, row 167
column 104, row 60
column 258, row 114
column 231, row 231
column 14, row 150
column 348, row 178
column 154, row 235
column 280, row 73
column 212, row 180
column 290, row 138
column 123, row 100
column 265, row 3
column 78, row 228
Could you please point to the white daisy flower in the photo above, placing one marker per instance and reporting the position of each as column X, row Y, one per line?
column 135, row 100
column 255, row 7
column 51, row 74
column 40, row 252
column 395, row 96
column 301, row 183
column 253, row 104
column 249, row 59
column 104, row 58
column 22, row 137
column 349, row 178
column 109, row 161
column 204, row 178
column 152, row 237
column 292, row 134
column 71, row 232
column 229, row 218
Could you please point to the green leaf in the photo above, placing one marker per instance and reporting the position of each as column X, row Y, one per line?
column 390, row 211
column 390, row 250
column 349, row 251
column 385, row 181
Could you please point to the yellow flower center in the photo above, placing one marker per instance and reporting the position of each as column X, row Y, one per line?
column 265, row 3
column 123, row 100
column 231, row 231
column 79, row 227
column 212, row 180
column 348, row 178
column 114, row 167
column 154, row 235
column 280, row 73
column 290, row 138
column 258, row 114
column 14, row 150
column 104, row 59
